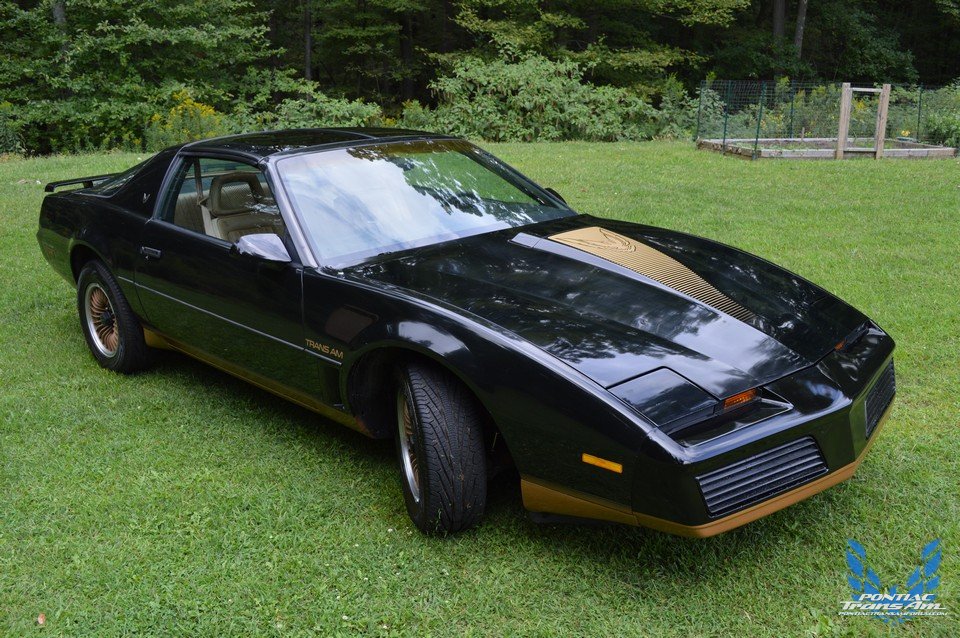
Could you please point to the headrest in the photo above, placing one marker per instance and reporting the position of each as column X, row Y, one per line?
column 232, row 193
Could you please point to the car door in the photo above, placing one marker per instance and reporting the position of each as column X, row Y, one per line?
column 238, row 312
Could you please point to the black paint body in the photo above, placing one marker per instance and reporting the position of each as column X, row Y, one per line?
column 567, row 352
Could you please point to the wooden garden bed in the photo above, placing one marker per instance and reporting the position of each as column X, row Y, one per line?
column 821, row 148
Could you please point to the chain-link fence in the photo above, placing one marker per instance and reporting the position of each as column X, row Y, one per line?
column 749, row 117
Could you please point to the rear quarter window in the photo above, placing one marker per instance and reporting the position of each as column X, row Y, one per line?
column 138, row 189
column 111, row 186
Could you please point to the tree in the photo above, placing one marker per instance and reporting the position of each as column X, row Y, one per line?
column 779, row 19
column 88, row 73
column 631, row 43
column 307, row 41
column 801, row 24
column 91, row 72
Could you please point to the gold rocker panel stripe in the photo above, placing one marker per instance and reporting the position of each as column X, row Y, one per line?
column 157, row 340
column 652, row 263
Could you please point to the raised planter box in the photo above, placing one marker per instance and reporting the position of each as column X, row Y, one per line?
column 821, row 148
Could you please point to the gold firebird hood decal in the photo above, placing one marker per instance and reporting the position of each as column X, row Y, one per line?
column 651, row 263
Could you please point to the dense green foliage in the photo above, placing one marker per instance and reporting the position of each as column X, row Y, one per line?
column 183, row 502
column 943, row 127
column 94, row 78
column 946, row 129
column 79, row 75
column 531, row 98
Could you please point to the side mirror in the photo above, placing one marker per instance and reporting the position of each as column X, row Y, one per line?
column 264, row 246
column 555, row 194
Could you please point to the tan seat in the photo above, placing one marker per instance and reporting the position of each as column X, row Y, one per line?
column 187, row 214
column 238, row 205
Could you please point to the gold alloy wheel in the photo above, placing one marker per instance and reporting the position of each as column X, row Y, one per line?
column 101, row 320
column 408, row 454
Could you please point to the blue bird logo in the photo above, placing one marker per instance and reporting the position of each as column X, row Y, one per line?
column 924, row 579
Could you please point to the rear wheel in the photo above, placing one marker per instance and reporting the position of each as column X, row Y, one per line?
column 440, row 450
column 113, row 332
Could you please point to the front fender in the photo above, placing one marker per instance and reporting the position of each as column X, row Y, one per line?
column 548, row 413
column 417, row 338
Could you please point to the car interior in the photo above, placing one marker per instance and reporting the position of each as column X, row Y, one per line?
column 230, row 204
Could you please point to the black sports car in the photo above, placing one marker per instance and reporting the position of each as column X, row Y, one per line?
column 412, row 286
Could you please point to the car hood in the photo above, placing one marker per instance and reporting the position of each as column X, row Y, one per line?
column 616, row 300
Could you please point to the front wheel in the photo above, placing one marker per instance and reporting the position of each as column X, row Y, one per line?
column 440, row 450
column 111, row 329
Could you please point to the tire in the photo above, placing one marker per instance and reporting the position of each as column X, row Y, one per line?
column 440, row 450
column 113, row 333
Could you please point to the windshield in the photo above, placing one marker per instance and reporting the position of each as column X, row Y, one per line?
column 370, row 200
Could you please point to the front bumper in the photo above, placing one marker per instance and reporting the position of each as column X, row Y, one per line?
column 539, row 496
column 839, row 407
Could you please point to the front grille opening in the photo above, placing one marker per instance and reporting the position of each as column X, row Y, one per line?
column 761, row 476
column 880, row 397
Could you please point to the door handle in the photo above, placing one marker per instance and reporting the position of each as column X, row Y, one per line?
column 150, row 253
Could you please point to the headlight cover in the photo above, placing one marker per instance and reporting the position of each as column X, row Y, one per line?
column 666, row 398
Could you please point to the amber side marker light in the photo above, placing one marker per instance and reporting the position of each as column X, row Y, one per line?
column 590, row 459
column 739, row 399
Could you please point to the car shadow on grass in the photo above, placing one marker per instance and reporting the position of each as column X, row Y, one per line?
column 307, row 425
column 639, row 554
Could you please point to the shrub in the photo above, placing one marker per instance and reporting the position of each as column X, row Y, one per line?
column 10, row 141
column 186, row 120
column 76, row 125
column 677, row 114
column 944, row 128
column 311, row 108
column 941, row 116
column 527, row 99
column 417, row 116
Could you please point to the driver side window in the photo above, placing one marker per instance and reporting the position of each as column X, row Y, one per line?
column 225, row 199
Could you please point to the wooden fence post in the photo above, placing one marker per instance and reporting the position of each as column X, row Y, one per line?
column 881, row 133
column 846, row 100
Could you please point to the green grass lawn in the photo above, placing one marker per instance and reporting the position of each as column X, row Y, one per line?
column 184, row 502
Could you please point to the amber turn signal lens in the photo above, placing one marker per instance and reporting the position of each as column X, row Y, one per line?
column 740, row 399
column 590, row 459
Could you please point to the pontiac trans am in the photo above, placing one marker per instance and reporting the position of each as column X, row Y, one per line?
column 411, row 286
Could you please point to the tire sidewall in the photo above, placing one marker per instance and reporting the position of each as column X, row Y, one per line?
column 449, row 446
column 417, row 509
column 95, row 273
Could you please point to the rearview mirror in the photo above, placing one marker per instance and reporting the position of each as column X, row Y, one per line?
column 265, row 246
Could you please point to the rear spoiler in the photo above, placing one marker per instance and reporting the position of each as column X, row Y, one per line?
column 87, row 182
